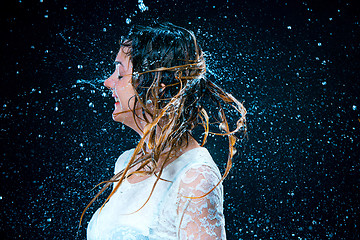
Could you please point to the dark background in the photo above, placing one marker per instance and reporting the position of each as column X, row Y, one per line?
column 293, row 63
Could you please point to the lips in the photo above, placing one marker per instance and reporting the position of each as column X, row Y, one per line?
column 117, row 100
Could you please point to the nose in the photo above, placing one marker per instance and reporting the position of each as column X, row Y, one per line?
column 110, row 82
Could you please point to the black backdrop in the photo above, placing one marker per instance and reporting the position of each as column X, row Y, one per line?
column 293, row 63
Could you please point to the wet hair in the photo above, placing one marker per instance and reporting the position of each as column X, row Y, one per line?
column 173, row 95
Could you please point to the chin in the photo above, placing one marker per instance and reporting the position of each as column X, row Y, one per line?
column 117, row 118
column 125, row 118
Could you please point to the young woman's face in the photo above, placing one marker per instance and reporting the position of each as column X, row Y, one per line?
column 122, row 90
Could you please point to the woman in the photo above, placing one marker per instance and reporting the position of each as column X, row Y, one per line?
column 168, row 187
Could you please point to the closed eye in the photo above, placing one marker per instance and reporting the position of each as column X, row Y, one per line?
column 117, row 63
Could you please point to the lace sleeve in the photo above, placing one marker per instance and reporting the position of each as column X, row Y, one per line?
column 200, row 218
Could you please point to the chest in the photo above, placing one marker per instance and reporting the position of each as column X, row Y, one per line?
column 130, row 208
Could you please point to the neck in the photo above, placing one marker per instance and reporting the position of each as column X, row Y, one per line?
column 189, row 144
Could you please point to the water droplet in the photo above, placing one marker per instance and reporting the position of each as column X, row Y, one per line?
column 142, row 6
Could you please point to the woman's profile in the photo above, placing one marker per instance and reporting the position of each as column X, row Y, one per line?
column 168, row 186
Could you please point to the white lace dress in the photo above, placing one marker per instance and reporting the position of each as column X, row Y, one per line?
column 169, row 214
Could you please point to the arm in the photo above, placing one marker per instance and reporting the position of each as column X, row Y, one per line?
column 200, row 218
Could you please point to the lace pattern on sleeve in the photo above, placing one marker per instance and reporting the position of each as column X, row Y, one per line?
column 200, row 218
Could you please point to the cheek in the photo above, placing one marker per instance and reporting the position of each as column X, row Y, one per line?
column 126, row 93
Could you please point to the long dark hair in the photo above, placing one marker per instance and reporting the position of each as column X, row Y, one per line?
column 173, row 93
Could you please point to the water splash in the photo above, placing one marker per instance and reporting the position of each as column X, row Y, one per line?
column 96, row 83
column 142, row 6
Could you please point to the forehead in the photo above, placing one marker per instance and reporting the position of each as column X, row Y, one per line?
column 123, row 58
column 124, row 53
